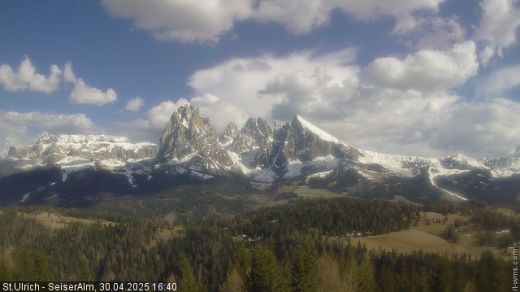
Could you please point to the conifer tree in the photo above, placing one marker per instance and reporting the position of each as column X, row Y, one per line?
column 304, row 268
column 85, row 274
column 365, row 277
column 41, row 267
column 187, row 280
column 266, row 274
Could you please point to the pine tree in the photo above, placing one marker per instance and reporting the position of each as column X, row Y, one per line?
column 365, row 277
column 485, row 277
column 304, row 268
column 329, row 276
column 266, row 274
column 243, row 266
column 41, row 267
column 187, row 280
column 233, row 282
column 85, row 273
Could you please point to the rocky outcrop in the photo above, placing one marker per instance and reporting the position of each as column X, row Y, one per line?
column 190, row 141
column 255, row 134
column 229, row 135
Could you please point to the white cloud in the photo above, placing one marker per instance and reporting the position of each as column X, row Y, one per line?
column 160, row 114
column 134, row 104
column 181, row 20
column 247, row 87
column 486, row 55
column 297, row 16
column 150, row 127
column 405, row 106
column 26, row 78
column 17, row 128
column 498, row 26
column 85, row 94
column 500, row 82
column 425, row 70
column 483, row 128
column 401, row 11
column 390, row 115
column 439, row 33
column 201, row 21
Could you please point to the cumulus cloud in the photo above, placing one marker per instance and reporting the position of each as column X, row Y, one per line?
column 425, row 70
column 85, row 94
column 297, row 16
column 16, row 127
column 196, row 21
column 402, row 105
column 500, row 82
column 498, row 26
column 439, row 33
column 160, row 114
column 151, row 125
column 134, row 104
column 251, row 86
column 365, row 106
column 180, row 20
column 402, row 11
column 27, row 78
column 481, row 128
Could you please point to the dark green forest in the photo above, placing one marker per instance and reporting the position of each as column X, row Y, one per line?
column 271, row 249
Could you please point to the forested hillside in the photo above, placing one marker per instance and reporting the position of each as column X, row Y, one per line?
column 282, row 248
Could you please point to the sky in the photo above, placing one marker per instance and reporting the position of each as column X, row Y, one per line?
column 422, row 77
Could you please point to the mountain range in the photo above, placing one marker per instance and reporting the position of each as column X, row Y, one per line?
column 292, row 152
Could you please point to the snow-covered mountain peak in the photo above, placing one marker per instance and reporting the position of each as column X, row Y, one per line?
column 504, row 166
column 314, row 129
column 45, row 138
column 460, row 161
column 255, row 133
column 230, row 133
column 107, row 151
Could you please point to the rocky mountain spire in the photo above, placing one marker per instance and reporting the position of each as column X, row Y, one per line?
column 190, row 140
column 230, row 133
column 255, row 133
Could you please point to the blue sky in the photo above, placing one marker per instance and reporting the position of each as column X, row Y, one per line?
column 428, row 77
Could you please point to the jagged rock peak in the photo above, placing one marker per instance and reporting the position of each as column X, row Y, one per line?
column 299, row 122
column 189, row 139
column 255, row 133
column 230, row 133
column 184, row 129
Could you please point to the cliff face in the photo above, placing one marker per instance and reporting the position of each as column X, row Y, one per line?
column 190, row 140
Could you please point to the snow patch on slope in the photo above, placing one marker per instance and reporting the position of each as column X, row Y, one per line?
column 73, row 163
column 237, row 161
column 25, row 197
column 265, row 175
column 394, row 163
column 322, row 174
column 322, row 134
column 444, row 172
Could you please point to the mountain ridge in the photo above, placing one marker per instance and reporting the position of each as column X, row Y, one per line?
column 260, row 152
